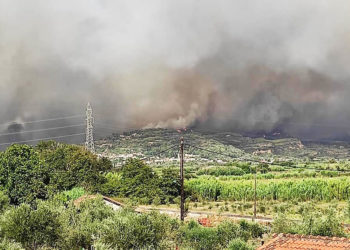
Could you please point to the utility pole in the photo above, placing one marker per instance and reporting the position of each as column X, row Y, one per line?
column 182, row 192
column 89, row 143
column 256, row 170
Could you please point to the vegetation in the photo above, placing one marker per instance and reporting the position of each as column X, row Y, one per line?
column 139, row 182
column 46, row 201
column 28, row 173
column 53, row 224
column 148, row 142
column 312, row 223
column 195, row 236
column 291, row 189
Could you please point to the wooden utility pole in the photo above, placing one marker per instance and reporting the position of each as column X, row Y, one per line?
column 182, row 192
column 256, row 172
column 254, row 217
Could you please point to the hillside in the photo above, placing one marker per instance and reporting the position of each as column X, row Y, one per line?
column 147, row 143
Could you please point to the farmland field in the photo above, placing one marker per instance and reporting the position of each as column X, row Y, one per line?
column 295, row 175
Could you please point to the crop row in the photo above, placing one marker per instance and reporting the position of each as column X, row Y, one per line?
column 321, row 189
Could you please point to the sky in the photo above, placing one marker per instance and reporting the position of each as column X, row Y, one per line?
column 254, row 66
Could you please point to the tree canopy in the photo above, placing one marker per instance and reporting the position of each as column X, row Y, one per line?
column 28, row 173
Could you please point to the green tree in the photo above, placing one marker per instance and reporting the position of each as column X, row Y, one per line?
column 170, row 183
column 263, row 168
column 139, row 180
column 23, row 174
column 72, row 165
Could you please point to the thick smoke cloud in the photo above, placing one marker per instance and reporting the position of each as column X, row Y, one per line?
column 237, row 65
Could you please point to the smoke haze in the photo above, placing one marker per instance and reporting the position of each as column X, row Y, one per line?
column 234, row 65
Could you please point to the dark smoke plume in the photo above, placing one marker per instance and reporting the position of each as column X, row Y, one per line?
column 227, row 64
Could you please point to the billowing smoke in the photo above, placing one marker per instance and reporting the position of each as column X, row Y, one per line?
column 234, row 65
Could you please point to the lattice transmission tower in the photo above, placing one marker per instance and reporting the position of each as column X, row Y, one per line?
column 89, row 143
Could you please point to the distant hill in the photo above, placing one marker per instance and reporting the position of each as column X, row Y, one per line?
column 149, row 142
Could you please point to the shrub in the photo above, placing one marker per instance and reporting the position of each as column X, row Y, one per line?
column 74, row 193
column 6, row 244
column 30, row 227
column 281, row 224
column 238, row 244
column 262, row 209
column 194, row 236
column 128, row 230
column 227, row 231
column 197, row 237
column 156, row 201
column 98, row 245
column 4, row 201
column 81, row 224
column 329, row 224
column 254, row 229
column 112, row 185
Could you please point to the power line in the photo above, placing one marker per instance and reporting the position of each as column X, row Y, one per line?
column 100, row 125
column 39, row 130
column 256, row 161
column 318, row 169
column 312, row 124
column 43, row 120
column 219, row 153
column 41, row 139
column 160, row 152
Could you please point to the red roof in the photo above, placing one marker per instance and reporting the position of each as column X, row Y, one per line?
column 295, row 241
column 205, row 222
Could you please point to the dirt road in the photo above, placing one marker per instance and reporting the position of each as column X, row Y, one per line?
column 197, row 214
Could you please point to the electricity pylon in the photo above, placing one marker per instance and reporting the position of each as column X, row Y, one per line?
column 89, row 143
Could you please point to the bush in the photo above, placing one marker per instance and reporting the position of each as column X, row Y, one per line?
column 329, row 224
column 254, row 229
column 227, row 231
column 83, row 223
column 6, row 244
column 156, row 201
column 98, row 245
column 112, row 185
column 197, row 237
column 281, row 224
column 74, row 193
column 262, row 209
column 313, row 223
column 4, row 201
column 238, row 244
column 30, row 227
column 128, row 230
